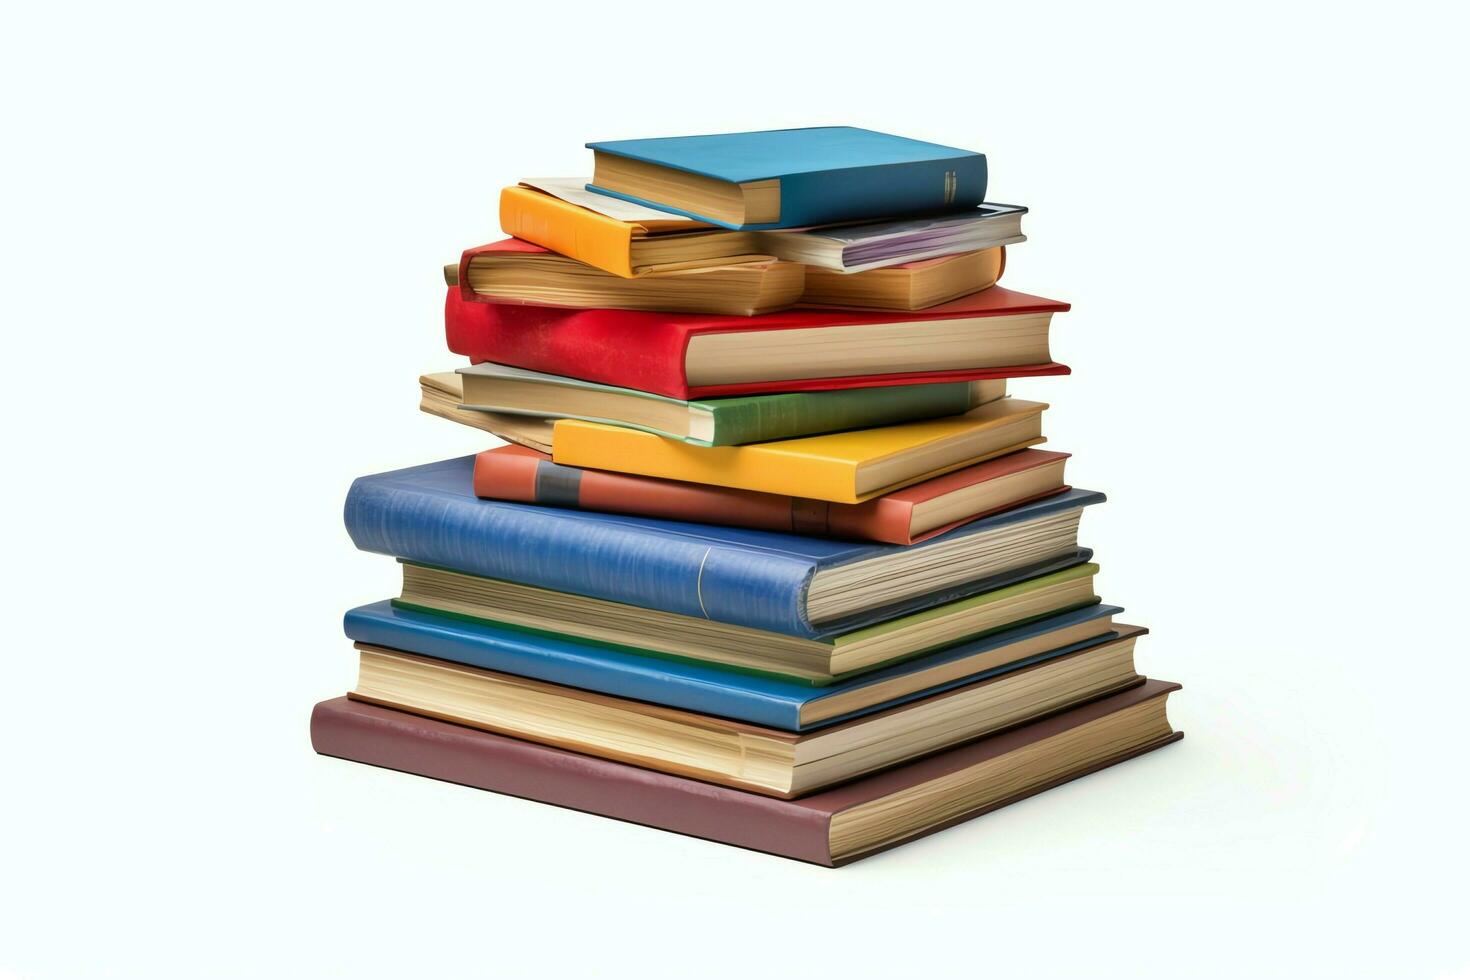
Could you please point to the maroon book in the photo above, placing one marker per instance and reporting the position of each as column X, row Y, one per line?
column 830, row 827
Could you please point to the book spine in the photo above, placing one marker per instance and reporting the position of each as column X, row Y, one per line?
column 883, row 519
column 856, row 193
column 396, row 740
column 503, row 476
column 594, row 345
column 605, row 558
column 559, row 660
column 527, row 479
column 599, row 241
column 763, row 418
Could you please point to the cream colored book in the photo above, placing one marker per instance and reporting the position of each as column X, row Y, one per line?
column 763, row 760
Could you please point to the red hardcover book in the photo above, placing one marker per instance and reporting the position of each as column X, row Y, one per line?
column 829, row 827
column 995, row 333
column 903, row 517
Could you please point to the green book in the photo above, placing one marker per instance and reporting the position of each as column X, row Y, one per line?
column 716, row 421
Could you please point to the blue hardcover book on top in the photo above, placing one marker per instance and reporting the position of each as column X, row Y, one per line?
column 790, row 178
column 782, row 583
column 759, row 700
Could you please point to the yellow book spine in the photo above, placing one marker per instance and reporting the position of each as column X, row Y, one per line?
column 601, row 242
column 608, row 447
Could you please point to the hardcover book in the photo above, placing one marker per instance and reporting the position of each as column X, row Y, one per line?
column 710, row 689
column 789, row 178
column 915, row 513
column 810, row 660
column 513, row 271
column 731, row 753
column 829, row 828
column 995, row 333
column 844, row 467
column 499, row 388
column 778, row 582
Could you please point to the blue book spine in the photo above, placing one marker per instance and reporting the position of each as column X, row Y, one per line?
column 606, row 559
column 859, row 193
column 708, row 690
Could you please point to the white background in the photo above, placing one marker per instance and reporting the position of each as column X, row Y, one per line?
column 223, row 232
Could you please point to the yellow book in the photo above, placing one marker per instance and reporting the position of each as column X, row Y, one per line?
column 843, row 467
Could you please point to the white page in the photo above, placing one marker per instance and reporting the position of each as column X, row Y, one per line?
column 575, row 191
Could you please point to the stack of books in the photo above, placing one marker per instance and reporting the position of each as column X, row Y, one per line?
column 770, row 557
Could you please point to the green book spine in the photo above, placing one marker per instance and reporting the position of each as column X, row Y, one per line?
column 763, row 418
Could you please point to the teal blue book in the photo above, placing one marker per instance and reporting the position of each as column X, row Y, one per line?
column 716, row 421
column 708, row 689
column 790, row 178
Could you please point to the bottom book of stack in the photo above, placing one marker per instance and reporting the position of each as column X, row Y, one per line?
column 836, row 823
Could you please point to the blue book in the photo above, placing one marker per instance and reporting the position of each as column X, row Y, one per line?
column 784, row 583
column 759, row 700
column 790, row 178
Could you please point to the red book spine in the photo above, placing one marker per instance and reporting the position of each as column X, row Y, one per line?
column 596, row 345
column 521, row 474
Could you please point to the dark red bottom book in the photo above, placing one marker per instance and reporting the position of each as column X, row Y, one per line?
column 831, row 827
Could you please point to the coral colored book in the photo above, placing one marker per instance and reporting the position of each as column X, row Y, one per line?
column 831, row 827
column 843, row 467
column 994, row 333
column 902, row 517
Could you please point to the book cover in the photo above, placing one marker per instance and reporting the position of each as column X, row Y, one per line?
column 643, row 350
column 599, row 240
column 429, row 514
column 521, row 474
column 823, row 467
column 799, row 829
column 826, row 174
column 757, row 418
column 759, row 699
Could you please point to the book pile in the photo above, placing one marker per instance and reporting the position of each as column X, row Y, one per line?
column 771, row 557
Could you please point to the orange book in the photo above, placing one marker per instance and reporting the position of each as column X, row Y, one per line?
column 622, row 246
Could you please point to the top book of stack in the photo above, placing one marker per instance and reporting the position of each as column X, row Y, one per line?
column 790, row 178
